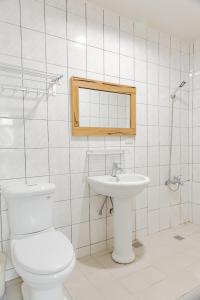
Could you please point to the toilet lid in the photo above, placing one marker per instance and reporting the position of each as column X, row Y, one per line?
column 44, row 253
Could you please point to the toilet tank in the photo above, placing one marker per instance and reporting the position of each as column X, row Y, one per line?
column 30, row 207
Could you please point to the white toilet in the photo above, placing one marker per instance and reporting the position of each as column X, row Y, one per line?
column 42, row 256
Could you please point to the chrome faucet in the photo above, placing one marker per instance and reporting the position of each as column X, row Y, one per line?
column 116, row 169
column 176, row 180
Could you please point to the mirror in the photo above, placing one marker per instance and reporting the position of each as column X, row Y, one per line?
column 100, row 108
column 103, row 109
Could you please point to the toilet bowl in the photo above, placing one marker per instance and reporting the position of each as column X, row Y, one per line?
column 41, row 255
column 44, row 261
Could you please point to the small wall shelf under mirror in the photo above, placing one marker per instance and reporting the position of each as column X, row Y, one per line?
column 106, row 152
column 102, row 108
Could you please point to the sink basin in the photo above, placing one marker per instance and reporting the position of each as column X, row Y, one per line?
column 123, row 185
column 122, row 189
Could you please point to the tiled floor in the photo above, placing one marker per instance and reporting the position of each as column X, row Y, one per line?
column 165, row 269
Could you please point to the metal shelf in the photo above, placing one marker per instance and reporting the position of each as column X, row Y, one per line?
column 50, row 81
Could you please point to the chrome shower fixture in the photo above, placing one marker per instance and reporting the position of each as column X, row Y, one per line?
column 175, row 182
column 173, row 96
column 182, row 84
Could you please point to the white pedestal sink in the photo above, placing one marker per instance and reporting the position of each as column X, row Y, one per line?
column 122, row 189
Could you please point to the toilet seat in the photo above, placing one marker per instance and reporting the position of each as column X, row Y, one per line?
column 44, row 253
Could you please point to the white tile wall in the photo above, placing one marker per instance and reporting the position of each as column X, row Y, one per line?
column 194, row 124
column 80, row 39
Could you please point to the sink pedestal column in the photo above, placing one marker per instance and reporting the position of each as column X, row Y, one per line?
column 123, row 250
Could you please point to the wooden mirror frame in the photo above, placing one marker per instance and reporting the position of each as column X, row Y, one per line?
column 77, row 82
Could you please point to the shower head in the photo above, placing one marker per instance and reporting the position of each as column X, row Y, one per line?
column 182, row 84
column 173, row 96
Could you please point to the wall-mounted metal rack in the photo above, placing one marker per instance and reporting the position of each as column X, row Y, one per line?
column 48, row 80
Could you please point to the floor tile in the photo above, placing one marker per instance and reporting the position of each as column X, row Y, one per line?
column 164, row 269
column 195, row 269
column 115, row 291
column 142, row 279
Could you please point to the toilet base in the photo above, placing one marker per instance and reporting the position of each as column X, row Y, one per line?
column 42, row 294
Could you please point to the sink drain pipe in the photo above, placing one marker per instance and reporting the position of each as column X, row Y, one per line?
column 101, row 209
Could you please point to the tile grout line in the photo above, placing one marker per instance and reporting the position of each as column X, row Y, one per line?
column 69, row 124
column 23, row 98
column 47, row 96
column 89, row 192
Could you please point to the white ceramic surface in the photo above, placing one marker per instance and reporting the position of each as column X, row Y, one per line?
column 122, row 189
column 42, row 256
